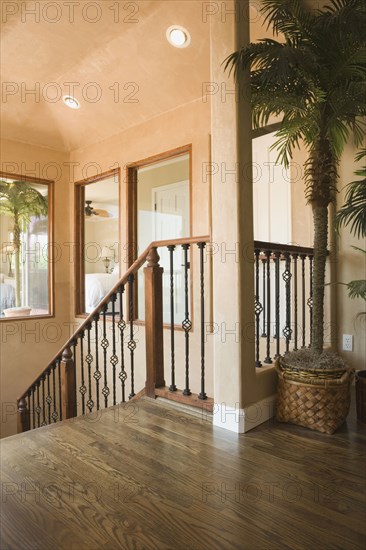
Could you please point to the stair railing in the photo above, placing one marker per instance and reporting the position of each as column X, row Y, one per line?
column 95, row 368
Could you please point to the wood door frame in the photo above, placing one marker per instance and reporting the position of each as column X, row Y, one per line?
column 79, row 228
column 51, row 231
column 131, row 214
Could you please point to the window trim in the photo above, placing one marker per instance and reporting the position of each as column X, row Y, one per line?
column 51, row 274
column 131, row 217
column 79, row 232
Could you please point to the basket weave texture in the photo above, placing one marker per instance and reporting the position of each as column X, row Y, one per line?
column 317, row 402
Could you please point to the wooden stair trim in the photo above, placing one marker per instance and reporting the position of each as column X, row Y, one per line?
column 191, row 400
column 139, row 394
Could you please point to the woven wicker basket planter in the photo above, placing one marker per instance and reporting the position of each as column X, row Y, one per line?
column 318, row 400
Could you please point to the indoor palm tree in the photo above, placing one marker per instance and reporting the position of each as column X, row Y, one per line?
column 314, row 79
column 21, row 201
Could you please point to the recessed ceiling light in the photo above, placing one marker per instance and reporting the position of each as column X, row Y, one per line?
column 71, row 102
column 178, row 36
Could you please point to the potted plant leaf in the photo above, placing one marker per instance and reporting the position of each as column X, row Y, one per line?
column 353, row 214
column 313, row 78
column 20, row 201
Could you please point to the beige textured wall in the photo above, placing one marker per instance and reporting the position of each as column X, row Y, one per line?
column 185, row 125
column 27, row 346
column 189, row 124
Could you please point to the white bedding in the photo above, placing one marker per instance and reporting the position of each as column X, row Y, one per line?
column 97, row 285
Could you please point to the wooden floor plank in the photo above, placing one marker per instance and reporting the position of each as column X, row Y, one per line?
column 146, row 476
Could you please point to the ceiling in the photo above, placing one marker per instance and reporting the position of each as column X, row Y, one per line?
column 131, row 54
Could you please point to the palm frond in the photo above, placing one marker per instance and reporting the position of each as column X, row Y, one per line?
column 288, row 17
column 357, row 289
column 353, row 211
column 21, row 199
column 342, row 17
column 359, row 249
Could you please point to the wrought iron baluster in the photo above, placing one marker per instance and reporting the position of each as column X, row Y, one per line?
column 48, row 398
column 264, row 334
column 82, row 388
column 287, row 332
column 89, row 361
column 44, row 423
column 131, row 344
column 58, row 362
column 33, row 408
column 114, row 358
column 303, row 303
column 122, row 326
column 258, row 308
column 104, row 343
column 172, row 386
column 201, row 247
column 73, row 346
column 186, row 324
column 97, row 375
column 38, row 407
column 54, row 412
column 268, row 359
column 28, row 401
column 277, row 259
column 295, row 257
column 310, row 300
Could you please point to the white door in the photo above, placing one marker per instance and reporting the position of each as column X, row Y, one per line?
column 171, row 207
column 171, row 221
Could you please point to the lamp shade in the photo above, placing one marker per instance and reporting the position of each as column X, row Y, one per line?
column 107, row 252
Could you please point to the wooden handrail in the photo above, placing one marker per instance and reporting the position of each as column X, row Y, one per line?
column 139, row 262
column 292, row 248
column 131, row 270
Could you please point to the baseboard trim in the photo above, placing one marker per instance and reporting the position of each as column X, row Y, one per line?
column 242, row 420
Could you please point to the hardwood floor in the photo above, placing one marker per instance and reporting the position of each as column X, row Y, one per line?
column 146, row 476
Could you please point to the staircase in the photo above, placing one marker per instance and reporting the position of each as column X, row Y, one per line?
column 98, row 366
column 110, row 360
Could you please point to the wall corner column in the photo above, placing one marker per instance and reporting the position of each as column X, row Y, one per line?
column 232, row 220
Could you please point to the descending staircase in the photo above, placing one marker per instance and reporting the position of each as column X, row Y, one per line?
column 97, row 367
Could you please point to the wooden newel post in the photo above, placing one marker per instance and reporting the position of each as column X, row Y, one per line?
column 23, row 419
column 68, row 384
column 154, row 323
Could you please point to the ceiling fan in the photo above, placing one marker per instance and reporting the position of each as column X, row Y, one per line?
column 91, row 211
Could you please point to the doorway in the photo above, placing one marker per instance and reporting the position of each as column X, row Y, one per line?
column 161, row 188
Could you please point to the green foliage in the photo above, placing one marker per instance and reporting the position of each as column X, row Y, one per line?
column 313, row 77
column 315, row 80
column 21, row 200
column 357, row 289
column 353, row 211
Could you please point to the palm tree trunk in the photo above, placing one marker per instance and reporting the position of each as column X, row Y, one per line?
column 320, row 218
column 17, row 259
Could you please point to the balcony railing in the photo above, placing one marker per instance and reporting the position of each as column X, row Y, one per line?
column 283, row 299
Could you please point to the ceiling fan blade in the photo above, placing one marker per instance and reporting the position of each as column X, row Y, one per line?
column 102, row 213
